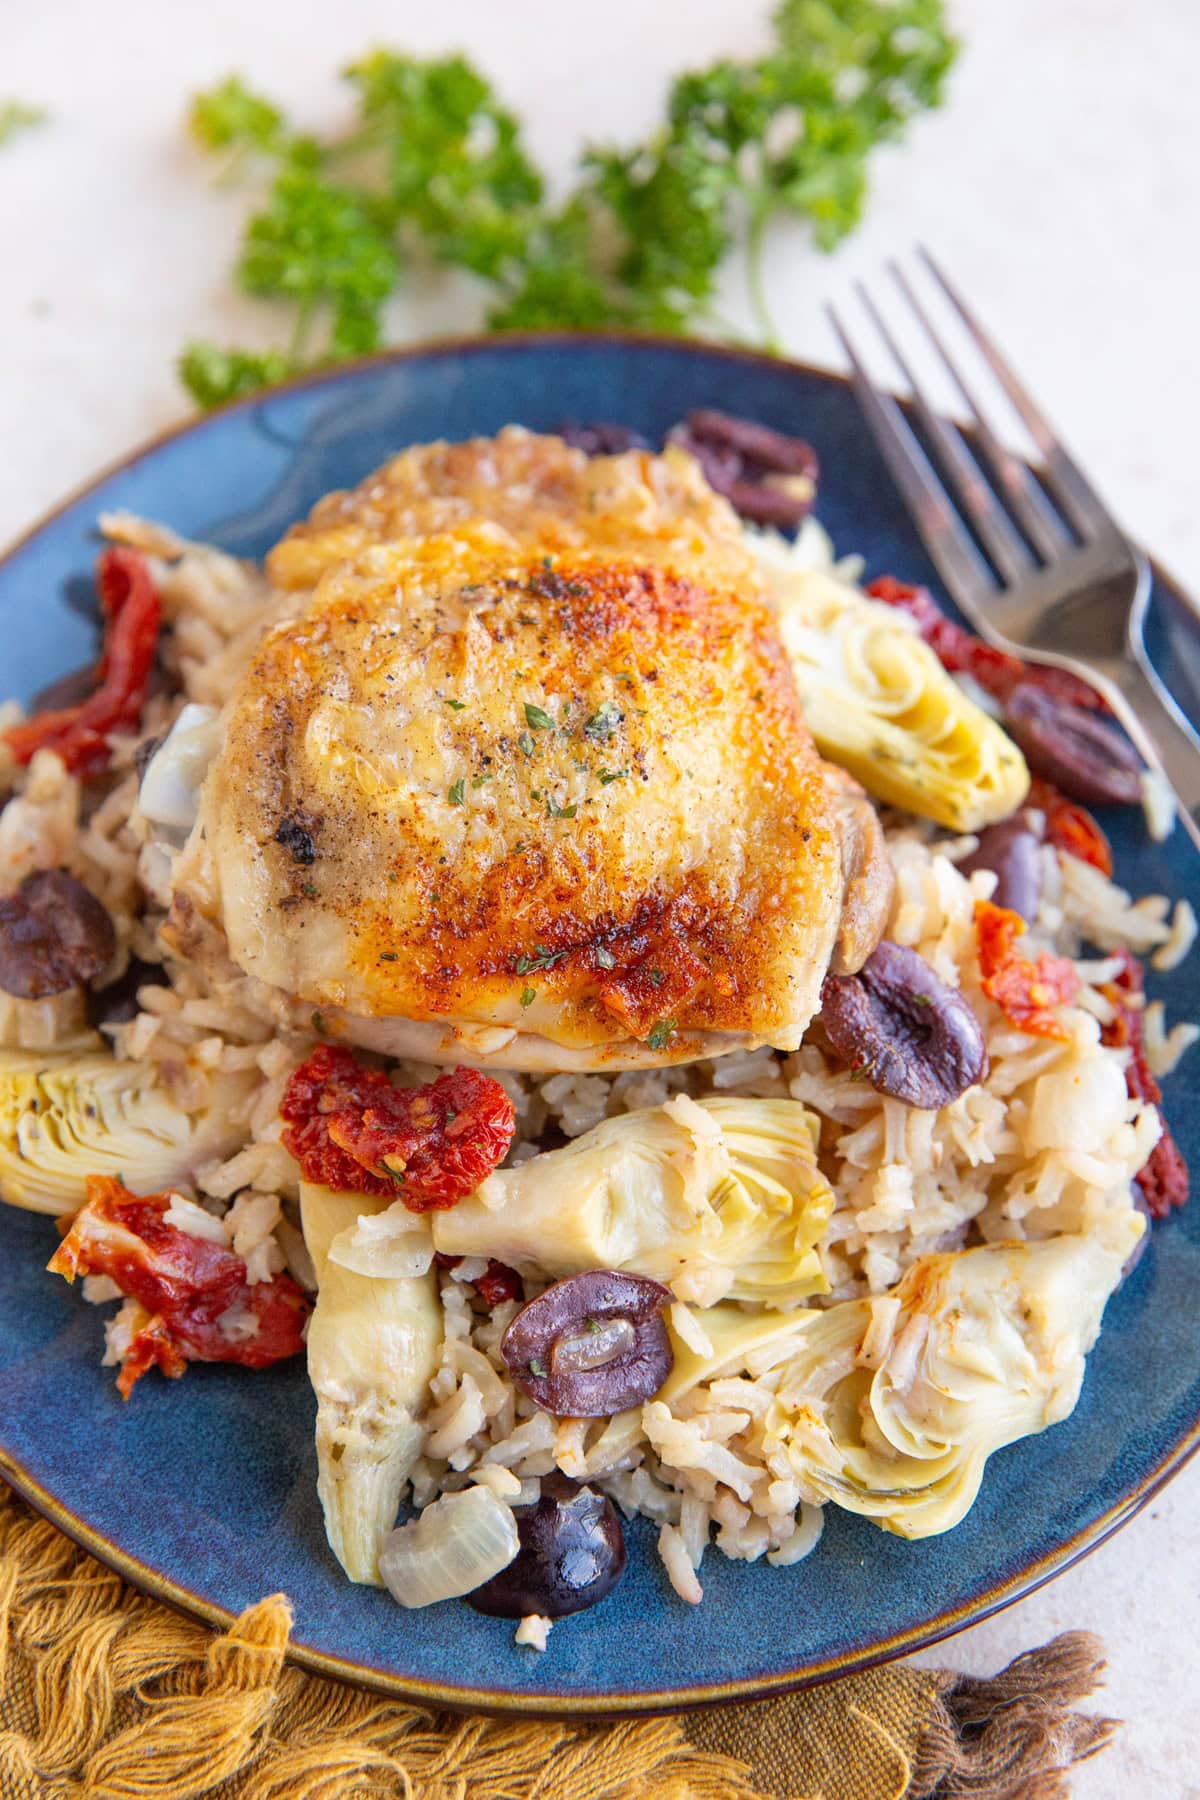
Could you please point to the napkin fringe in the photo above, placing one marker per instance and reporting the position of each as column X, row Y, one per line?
column 1015, row 1735
column 106, row 1694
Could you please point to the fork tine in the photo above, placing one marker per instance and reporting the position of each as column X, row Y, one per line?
column 1067, row 482
column 1023, row 496
column 951, row 547
column 966, row 482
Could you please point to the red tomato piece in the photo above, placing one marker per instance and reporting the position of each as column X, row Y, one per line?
column 1070, row 827
column 1026, row 992
column 497, row 1284
column 196, row 1303
column 1164, row 1180
column 430, row 1146
column 81, row 734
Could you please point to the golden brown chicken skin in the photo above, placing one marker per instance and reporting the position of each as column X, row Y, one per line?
column 526, row 785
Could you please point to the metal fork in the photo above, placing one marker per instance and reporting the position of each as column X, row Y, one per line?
column 1056, row 583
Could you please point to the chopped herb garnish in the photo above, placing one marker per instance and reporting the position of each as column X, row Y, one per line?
column 477, row 781
column 607, row 775
column 388, row 956
column 605, row 958
column 662, row 1034
column 309, row 889
column 603, row 722
column 554, row 811
column 657, row 977
column 528, row 996
column 538, row 1368
column 541, row 959
column 538, row 717
column 318, row 1024
column 526, row 743
column 456, row 792
column 456, row 705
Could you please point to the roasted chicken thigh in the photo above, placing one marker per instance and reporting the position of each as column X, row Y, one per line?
column 521, row 777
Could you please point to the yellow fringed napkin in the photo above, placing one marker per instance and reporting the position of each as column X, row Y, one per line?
column 107, row 1695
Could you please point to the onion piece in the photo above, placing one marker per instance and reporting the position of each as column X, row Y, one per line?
column 457, row 1543
column 169, row 795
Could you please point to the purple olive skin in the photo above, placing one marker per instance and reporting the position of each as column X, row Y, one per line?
column 757, row 445
column 1086, row 758
column 54, row 935
column 117, row 1003
column 906, row 1032
column 767, row 477
column 601, row 438
column 546, row 1346
column 572, row 1555
column 1013, row 852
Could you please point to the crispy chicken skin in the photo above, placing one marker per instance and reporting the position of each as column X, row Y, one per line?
column 524, row 778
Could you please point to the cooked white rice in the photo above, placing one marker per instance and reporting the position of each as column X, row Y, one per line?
column 1048, row 1143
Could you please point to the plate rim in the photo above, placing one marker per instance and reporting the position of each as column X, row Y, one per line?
column 614, row 1703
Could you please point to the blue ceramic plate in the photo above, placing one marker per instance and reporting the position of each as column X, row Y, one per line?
column 204, row 1491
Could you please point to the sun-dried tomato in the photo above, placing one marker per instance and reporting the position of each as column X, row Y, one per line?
column 1071, row 828
column 196, row 1303
column 497, row 1284
column 959, row 651
column 1026, row 992
column 81, row 734
column 430, row 1146
column 1164, row 1179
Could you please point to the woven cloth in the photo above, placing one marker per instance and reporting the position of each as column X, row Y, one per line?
column 108, row 1695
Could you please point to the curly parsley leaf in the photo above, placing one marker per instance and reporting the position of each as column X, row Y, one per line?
column 213, row 375
column 231, row 117
column 17, row 116
column 434, row 169
column 455, row 168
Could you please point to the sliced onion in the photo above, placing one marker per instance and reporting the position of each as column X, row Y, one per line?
column 456, row 1544
column 170, row 790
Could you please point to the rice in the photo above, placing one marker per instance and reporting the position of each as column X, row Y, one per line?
column 1048, row 1143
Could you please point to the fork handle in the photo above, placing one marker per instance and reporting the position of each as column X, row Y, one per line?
column 1161, row 732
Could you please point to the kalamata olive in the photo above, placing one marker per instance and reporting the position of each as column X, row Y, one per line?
column 1086, row 758
column 591, row 1345
column 1012, row 850
column 116, row 1003
column 601, row 438
column 767, row 477
column 572, row 1554
column 54, row 935
column 894, row 1022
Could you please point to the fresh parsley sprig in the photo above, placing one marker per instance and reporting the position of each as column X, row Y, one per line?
column 17, row 116
column 434, row 171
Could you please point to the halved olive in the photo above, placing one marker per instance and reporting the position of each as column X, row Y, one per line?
column 591, row 1345
column 912, row 1037
column 572, row 1554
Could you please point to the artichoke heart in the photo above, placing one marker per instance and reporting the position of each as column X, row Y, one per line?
column 891, row 1406
column 372, row 1347
column 880, row 704
column 718, row 1198
column 65, row 1117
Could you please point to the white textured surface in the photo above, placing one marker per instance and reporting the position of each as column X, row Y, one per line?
column 1059, row 185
